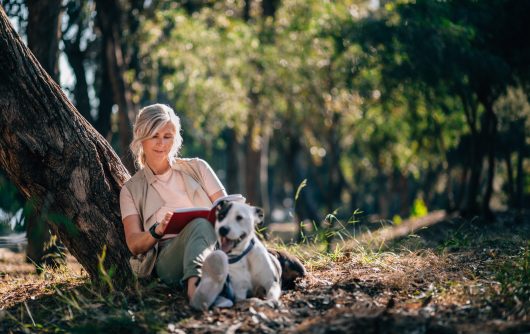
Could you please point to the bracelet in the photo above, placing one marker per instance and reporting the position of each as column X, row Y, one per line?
column 153, row 232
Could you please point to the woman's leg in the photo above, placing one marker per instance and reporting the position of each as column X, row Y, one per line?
column 182, row 257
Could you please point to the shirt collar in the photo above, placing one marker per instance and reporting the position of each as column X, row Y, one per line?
column 151, row 177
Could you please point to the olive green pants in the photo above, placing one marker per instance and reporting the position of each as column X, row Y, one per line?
column 181, row 257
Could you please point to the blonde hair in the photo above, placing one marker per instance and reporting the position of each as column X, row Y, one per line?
column 149, row 120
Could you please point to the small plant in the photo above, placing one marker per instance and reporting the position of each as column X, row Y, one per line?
column 457, row 240
column 419, row 208
column 514, row 277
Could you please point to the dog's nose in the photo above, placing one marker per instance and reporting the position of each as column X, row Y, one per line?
column 223, row 231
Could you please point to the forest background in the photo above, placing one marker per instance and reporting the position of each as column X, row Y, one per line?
column 342, row 119
column 389, row 108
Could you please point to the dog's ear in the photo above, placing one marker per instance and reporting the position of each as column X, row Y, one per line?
column 258, row 212
column 222, row 209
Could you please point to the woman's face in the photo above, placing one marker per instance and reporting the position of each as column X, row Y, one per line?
column 157, row 148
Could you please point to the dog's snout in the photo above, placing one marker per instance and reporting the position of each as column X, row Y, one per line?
column 223, row 231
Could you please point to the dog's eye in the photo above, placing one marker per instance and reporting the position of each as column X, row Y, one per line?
column 239, row 218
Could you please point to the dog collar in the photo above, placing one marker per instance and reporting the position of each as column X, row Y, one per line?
column 234, row 259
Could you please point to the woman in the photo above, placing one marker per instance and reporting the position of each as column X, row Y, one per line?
column 162, row 184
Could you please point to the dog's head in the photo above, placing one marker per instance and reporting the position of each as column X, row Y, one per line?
column 235, row 225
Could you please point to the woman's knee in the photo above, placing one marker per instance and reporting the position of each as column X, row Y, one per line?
column 203, row 227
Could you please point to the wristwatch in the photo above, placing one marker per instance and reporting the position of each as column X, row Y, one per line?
column 153, row 232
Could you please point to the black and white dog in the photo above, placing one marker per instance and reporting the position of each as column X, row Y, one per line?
column 252, row 270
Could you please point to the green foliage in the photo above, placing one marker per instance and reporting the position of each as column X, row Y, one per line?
column 104, row 275
column 366, row 95
column 419, row 209
column 456, row 241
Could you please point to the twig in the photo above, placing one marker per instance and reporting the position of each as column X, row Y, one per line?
column 29, row 313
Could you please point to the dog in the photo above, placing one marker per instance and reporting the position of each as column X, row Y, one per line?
column 252, row 270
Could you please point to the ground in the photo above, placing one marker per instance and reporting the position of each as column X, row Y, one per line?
column 443, row 274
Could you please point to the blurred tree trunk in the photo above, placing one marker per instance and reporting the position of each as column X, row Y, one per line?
column 252, row 161
column 76, row 58
column 246, row 10
column 519, row 192
column 305, row 207
column 269, row 7
column 510, row 181
column 60, row 161
column 44, row 33
column 470, row 207
column 109, row 18
column 264, row 174
column 233, row 176
column 490, row 136
column 104, row 89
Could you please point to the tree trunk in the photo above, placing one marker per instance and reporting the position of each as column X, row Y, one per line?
column 75, row 58
column 44, row 33
column 103, row 122
column 246, row 10
column 474, row 178
column 269, row 7
column 60, row 160
column 109, row 21
column 37, row 233
column 252, row 163
column 264, row 175
column 509, row 170
column 490, row 130
column 233, row 184
column 519, row 197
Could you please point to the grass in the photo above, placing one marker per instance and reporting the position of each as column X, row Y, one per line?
column 514, row 278
column 456, row 275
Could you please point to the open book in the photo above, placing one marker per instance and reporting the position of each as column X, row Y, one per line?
column 181, row 217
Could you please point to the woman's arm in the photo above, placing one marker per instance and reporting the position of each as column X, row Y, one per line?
column 218, row 194
column 138, row 240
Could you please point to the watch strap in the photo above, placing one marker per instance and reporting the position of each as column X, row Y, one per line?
column 153, row 232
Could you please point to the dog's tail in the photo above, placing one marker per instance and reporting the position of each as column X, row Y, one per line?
column 292, row 268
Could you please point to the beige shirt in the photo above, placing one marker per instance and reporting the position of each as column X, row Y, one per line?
column 170, row 186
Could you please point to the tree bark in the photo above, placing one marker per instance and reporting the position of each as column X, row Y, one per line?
column 60, row 160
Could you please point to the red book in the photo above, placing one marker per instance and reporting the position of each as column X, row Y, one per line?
column 181, row 217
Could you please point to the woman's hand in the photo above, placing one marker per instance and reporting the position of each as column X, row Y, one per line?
column 160, row 229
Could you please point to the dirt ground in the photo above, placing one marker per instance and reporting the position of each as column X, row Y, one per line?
column 441, row 278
